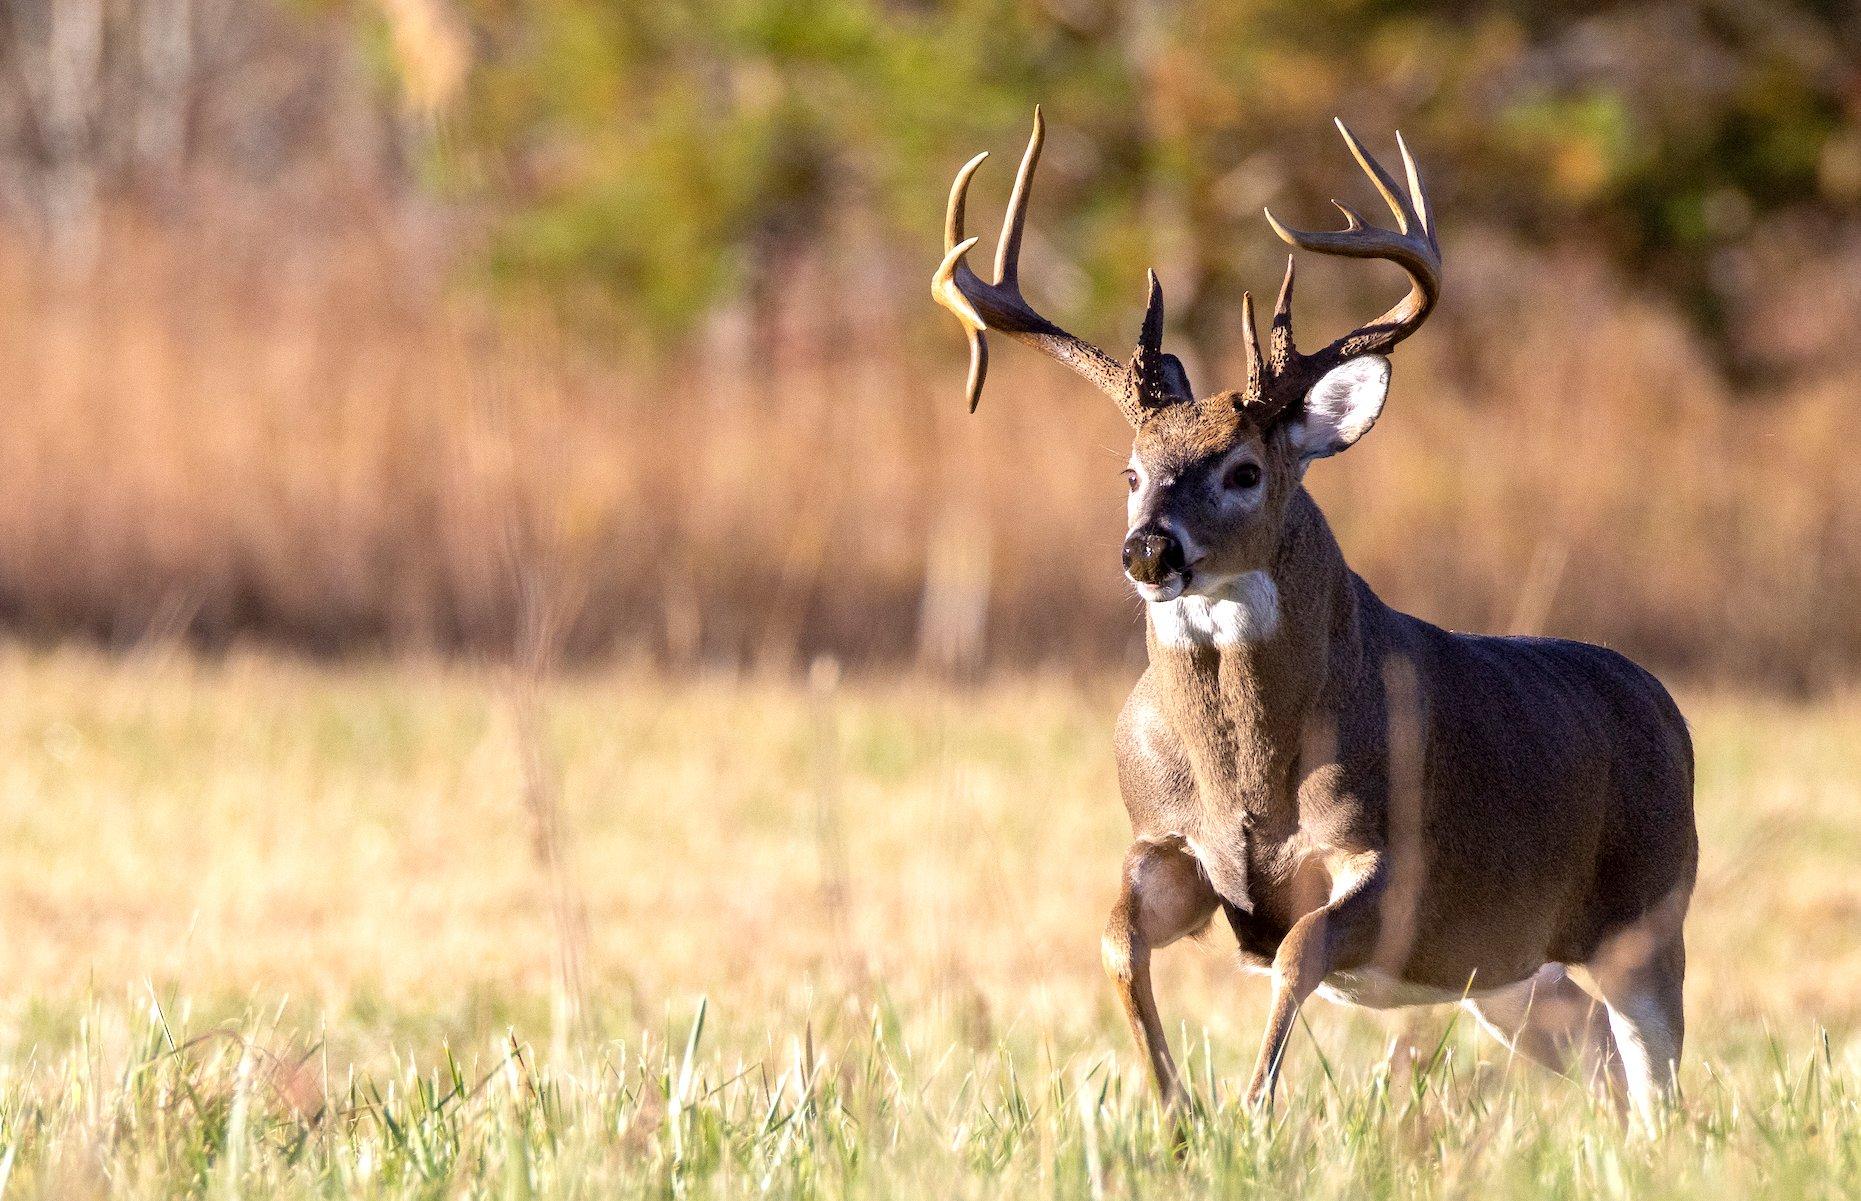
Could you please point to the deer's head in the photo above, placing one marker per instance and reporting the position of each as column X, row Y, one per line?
column 1211, row 478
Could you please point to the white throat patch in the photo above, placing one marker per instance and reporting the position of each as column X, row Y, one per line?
column 1232, row 612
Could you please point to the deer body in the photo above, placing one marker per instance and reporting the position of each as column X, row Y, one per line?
column 1257, row 776
column 1383, row 810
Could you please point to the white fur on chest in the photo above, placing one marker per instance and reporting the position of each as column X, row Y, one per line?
column 1241, row 610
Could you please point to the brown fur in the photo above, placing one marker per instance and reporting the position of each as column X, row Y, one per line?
column 1379, row 807
column 1546, row 801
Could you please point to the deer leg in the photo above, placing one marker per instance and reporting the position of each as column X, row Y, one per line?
column 1640, row 978
column 1338, row 933
column 1165, row 896
column 1552, row 1021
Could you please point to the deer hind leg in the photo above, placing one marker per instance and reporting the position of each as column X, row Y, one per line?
column 1640, row 975
column 1552, row 1021
column 1165, row 896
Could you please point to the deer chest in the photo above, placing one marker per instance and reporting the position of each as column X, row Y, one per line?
column 1265, row 884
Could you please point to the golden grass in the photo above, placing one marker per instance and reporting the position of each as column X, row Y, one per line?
column 254, row 824
column 283, row 929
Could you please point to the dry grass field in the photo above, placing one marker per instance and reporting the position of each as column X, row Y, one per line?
column 446, row 447
column 273, row 929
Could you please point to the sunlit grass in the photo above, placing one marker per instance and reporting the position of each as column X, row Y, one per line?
column 273, row 929
column 142, row 1100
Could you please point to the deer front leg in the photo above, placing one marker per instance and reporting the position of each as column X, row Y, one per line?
column 1338, row 933
column 1165, row 896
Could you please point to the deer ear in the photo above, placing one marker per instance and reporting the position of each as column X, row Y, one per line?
column 1340, row 408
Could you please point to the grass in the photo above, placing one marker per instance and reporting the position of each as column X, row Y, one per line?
column 281, row 930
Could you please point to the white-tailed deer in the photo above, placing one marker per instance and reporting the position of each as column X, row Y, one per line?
column 1385, row 811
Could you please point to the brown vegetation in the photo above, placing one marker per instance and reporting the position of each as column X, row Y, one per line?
column 304, row 440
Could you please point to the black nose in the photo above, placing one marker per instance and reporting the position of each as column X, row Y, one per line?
column 1152, row 556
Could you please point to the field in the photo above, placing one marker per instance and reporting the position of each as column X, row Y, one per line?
column 411, row 930
column 522, row 679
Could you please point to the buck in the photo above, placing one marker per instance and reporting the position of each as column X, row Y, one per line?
column 1386, row 812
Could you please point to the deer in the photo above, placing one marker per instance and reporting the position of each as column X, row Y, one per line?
column 1386, row 812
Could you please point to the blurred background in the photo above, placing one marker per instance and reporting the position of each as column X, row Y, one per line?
column 493, row 554
column 435, row 326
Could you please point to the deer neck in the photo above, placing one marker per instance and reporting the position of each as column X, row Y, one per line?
column 1244, row 673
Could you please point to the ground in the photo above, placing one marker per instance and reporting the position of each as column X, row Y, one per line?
column 411, row 930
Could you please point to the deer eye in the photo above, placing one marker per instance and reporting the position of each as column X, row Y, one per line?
column 1130, row 477
column 1245, row 475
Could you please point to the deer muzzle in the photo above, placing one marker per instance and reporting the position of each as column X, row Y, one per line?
column 1153, row 556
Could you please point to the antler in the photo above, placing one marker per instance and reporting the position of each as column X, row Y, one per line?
column 1152, row 378
column 1283, row 375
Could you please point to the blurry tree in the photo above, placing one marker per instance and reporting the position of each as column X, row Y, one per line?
column 103, row 100
column 666, row 154
column 662, row 157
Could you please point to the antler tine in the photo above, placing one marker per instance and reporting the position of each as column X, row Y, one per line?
column 1014, row 222
column 1152, row 379
column 1150, row 333
column 945, row 289
column 1352, row 218
column 1385, row 183
column 1412, row 247
column 1279, row 347
column 1150, row 367
column 1417, row 196
column 959, row 200
column 1250, row 342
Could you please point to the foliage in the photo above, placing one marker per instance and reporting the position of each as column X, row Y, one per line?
column 666, row 154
